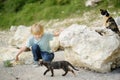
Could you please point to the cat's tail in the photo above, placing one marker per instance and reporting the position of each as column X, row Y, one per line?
column 72, row 66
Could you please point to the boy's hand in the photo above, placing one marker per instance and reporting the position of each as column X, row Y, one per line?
column 17, row 58
column 57, row 32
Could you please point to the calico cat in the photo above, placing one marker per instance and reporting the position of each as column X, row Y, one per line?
column 110, row 22
column 58, row 65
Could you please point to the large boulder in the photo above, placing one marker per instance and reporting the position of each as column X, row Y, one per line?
column 85, row 47
column 20, row 36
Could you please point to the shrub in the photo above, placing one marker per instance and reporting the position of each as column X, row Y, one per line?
column 1, row 4
column 32, row 1
column 63, row 2
column 16, row 5
column 13, row 5
column 117, row 3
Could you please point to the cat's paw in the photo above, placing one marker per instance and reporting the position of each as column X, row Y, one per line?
column 108, row 27
column 52, row 75
column 63, row 74
column 44, row 74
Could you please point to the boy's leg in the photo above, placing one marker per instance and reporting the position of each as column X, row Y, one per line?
column 46, row 56
column 52, row 56
column 36, row 52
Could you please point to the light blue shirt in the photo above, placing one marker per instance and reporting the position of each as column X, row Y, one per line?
column 43, row 42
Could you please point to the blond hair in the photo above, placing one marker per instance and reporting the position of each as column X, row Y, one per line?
column 37, row 29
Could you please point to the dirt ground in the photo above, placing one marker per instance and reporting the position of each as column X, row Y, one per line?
column 28, row 72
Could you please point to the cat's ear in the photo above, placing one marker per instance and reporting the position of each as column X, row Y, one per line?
column 107, row 14
column 101, row 9
column 106, row 10
column 41, row 62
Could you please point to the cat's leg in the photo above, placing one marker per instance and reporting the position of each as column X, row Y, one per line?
column 72, row 71
column 66, row 71
column 46, row 71
column 52, row 72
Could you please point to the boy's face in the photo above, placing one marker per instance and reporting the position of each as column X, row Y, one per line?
column 37, row 36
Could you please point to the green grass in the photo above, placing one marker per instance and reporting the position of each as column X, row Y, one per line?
column 7, row 63
column 31, row 13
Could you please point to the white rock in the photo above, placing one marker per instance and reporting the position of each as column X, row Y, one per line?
column 84, row 47
column 117, row 21
column 13, row 28
column 54, row 44
column 91, row 2
column 21, row 35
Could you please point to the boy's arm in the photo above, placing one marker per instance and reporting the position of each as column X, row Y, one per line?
column 20, row 51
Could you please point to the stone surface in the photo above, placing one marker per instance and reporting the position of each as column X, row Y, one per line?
column 20, row 36
column 117, row 19
column 55, row 44
column 91, row 3
column 84, row 47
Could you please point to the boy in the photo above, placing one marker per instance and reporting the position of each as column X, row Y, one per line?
column 39, row 44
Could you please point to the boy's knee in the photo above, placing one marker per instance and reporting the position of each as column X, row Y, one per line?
column 35, row 47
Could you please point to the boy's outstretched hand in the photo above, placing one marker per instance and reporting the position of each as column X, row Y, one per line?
column 17, row 58
column 20, row 51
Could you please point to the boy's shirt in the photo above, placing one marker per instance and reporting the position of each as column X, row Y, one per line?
column 43, row 42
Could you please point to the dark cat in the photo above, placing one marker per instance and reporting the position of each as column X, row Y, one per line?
column 58, row 65
column 110, row 22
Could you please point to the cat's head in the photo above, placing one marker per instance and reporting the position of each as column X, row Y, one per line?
column 104, row 12
column 43, row 62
